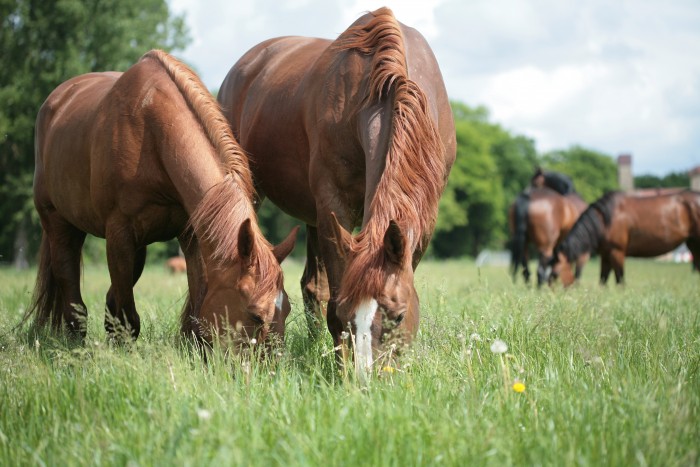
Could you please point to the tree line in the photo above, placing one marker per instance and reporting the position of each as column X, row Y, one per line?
column 45, row 43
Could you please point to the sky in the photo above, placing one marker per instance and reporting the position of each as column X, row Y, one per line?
column 619, row 77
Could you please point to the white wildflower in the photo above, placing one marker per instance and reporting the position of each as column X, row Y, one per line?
column 203, row 414
column 498, row 346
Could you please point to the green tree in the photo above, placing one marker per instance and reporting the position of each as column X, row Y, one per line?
column 472, row 209
column 43, row 43
column 592, row 172
column 515, row 155
column 276, row 225
column 671, row 180
column 492, row 166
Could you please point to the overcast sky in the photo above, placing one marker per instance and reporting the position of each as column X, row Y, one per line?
column 614, row 76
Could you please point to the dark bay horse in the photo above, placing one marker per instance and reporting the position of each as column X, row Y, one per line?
column 145, row 156
column 356, row 132
column 619, row 225
column 543, row 217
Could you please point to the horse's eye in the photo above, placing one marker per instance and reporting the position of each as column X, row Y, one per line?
column 257, row 319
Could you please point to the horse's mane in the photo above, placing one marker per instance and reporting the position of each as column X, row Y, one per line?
column 218, row 216
column 414, row 174
column 587, row 232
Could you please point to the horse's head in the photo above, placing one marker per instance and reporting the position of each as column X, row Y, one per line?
column 377, row 302
column 247, row 300
column 561, row 267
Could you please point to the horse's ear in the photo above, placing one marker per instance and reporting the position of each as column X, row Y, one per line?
column 343, row 238
column 282, row 250
column 395, row 244
column 246, row 242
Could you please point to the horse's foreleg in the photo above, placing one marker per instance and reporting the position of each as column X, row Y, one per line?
column 314, row 284
column 618, row 265
column 604, row 268
column 694, row 247
column 196, row 283
column 125, row 261
column 332, row 251
column 541, row 271
column 543, row 266
column 526, row 269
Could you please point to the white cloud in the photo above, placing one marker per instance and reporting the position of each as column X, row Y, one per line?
column 418, row 14
column 613, row 76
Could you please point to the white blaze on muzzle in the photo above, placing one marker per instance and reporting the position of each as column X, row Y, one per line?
column 363, row 337
column 279, row 301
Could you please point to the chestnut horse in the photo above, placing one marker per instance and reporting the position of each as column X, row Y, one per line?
column 356, row 132
column 543, row 217
column 145, row 156
column 619, row 225
column 176, row 264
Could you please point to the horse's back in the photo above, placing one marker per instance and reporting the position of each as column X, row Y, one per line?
column 552, row 215
column 575, row 206
column 64, row 129
column 545, row 211
column 297, row 105
column 267, row 75
column 68, row 111
column 649, row 226
column 269, row 97
column 97, row 148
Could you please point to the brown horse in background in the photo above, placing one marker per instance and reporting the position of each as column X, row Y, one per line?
column 176, row 264
column 619, row 225
column 356, row 132
column 543, row 217
column 145, row 156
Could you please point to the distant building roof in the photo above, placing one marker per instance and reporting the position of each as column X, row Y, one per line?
column 624, row 159
column 645, row 192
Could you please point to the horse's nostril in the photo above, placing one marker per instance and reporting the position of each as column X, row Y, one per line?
column 400, row 318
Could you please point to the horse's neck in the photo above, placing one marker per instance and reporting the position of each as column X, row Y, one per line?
column 374, row 123
column 191, row 164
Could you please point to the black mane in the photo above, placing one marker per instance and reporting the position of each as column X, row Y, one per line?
column 587, row 232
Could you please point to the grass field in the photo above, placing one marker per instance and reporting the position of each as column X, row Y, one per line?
column 611, row 377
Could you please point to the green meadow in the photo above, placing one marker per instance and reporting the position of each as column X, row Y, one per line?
column 591, row 376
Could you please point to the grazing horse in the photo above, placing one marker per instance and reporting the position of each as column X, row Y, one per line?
column 176, row 264
column 356, row 132
column 543, row 217
column 144, row 156
column 619, row 225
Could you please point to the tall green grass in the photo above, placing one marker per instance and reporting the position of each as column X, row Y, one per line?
column 611, row 377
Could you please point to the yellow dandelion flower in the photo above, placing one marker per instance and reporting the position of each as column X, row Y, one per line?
column 519, row 387
column 388, row 369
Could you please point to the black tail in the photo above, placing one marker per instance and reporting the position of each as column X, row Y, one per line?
column 518, row 244
column 45, row 307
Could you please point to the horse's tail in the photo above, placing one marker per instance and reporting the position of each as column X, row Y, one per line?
column 46, row 300
column 522, row 203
